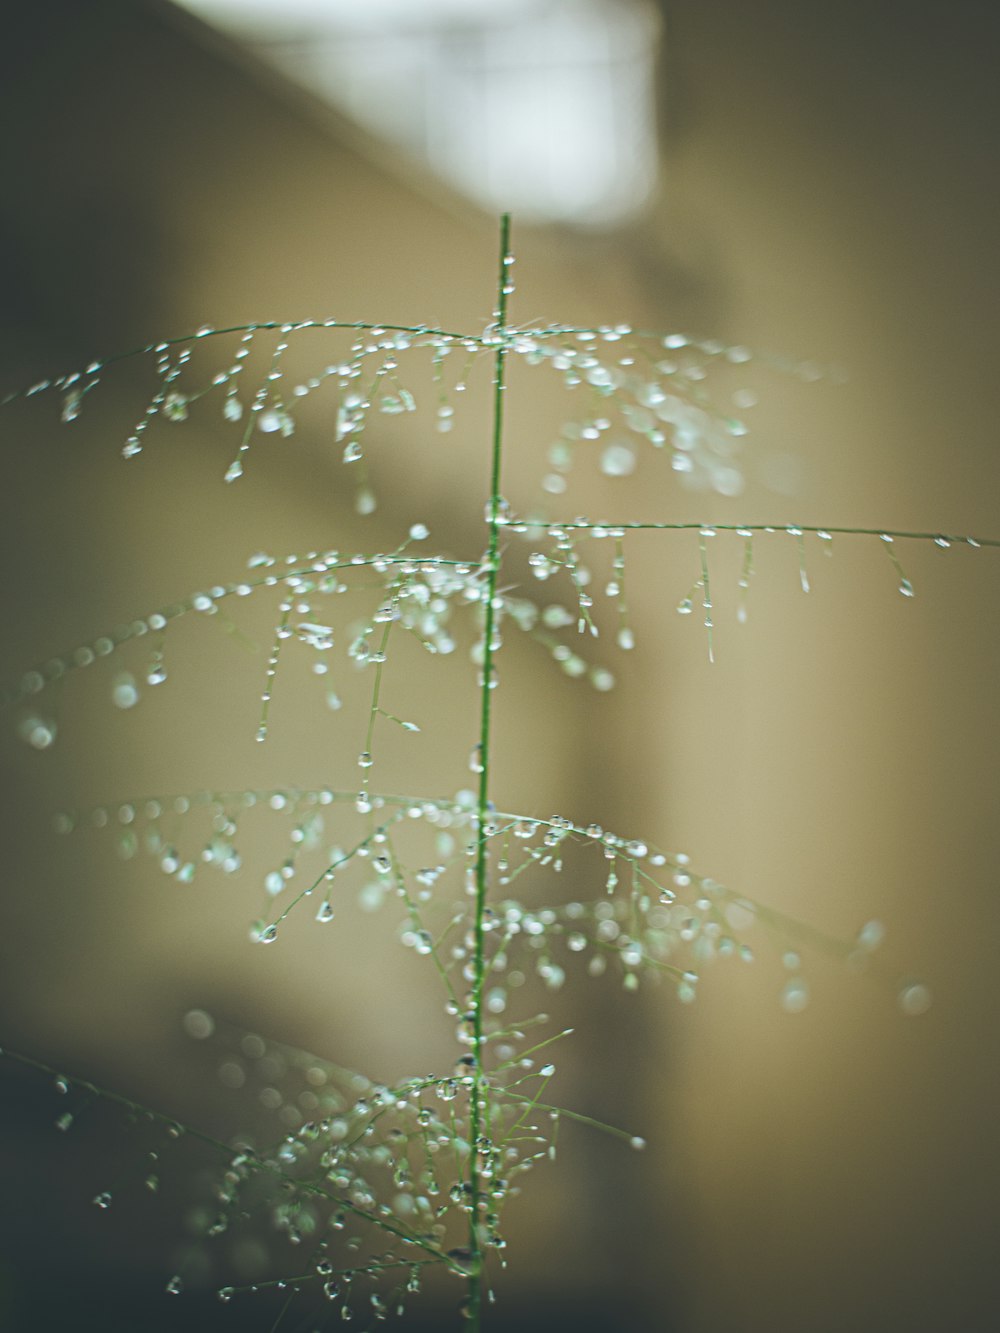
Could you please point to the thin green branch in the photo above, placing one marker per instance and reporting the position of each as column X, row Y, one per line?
column 482, row 809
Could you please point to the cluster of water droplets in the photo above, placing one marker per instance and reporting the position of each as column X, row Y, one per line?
column 351, row 1186
column 655, row 917
column 371, row 1183
column 639, row 389
column 417, row 594
column 644, row 389
column 365, row 1179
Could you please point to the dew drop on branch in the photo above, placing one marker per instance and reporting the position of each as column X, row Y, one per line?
column 794, row 996
column 199, row 1024
column 914, row 999
column 38, row 732
column 124, row 691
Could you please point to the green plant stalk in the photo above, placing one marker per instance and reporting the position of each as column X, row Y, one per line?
column 474, row 1304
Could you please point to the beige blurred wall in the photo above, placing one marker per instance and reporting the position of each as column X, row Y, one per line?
column 828, row 191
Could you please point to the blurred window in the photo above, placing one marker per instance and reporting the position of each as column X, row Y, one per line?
column 545, row 107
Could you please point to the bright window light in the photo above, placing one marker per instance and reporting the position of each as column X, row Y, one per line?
column 544, row 107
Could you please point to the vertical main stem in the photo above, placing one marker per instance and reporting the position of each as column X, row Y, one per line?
column 474, row 1303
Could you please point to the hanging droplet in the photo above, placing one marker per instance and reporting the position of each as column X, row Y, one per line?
column 103, row 1200
column 325, row 912
column 175, row 1285
column 71, row 405
column 352, row 452
column 618, row 460
column 175, row 407
column 794, row 996
column 914, row 999
column 268, row 935
column 602, row 679
column 871, row 935
column 234, row 471
column 124, row 691
column 37, row 731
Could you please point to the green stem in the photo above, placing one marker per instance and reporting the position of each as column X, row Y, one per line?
column 474, row 1305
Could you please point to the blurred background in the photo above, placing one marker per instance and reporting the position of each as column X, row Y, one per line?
column 813, row 182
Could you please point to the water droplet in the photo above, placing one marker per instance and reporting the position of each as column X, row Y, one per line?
column 198, row 1023
column 225, row 1294
column 914, row 998
column 618, row 460
column 175, row 1285
column 637, row 1143
column 352, row 452
column 268, row 935
column 906, row 587
column 325, row 912
column 794, row 996
column 364, row 759
column 175, row 407
column 37, row 731
column 626, row 639
column 65, row 1121
column 871, row 935
column 124, row 691
column 419, row 532
column 601, row 679
column 234, row 471
column 103, row 1200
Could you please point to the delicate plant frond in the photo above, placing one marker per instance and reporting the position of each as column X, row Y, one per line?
column 377, row 1183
